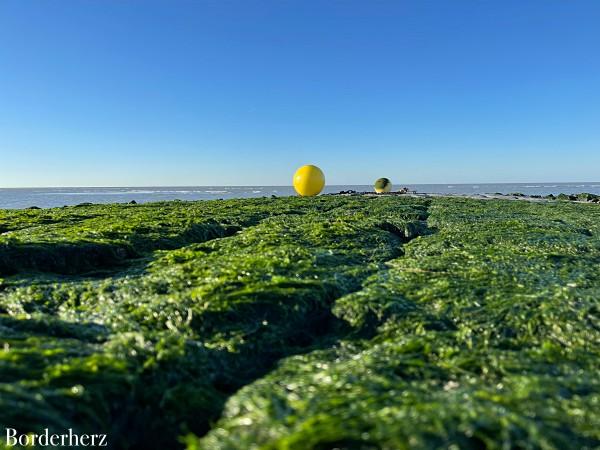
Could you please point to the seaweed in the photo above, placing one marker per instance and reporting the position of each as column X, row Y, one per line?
column 311, row 323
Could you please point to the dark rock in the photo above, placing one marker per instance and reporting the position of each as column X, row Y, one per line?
column 587, row 197
column 34, row 207
column 133, row 202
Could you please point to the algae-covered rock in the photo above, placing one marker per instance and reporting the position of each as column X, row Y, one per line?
column 293, row 323
column 587, row 197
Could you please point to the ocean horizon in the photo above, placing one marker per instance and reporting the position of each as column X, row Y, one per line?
column 51, row 197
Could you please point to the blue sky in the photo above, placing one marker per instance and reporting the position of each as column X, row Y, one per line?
column 177, row 92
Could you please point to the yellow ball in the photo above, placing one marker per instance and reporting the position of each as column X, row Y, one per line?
column 383, row 185
column 309, row 180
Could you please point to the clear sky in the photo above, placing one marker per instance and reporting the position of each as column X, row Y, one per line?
column 182, row 92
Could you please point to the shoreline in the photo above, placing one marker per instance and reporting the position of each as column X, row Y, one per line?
column 583, row 197
column 575, row 198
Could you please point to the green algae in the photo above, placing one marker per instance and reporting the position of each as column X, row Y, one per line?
column 330, row 322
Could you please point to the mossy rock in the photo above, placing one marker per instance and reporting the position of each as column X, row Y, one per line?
column 299, row 323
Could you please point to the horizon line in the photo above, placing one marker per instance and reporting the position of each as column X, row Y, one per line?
column 285, row 185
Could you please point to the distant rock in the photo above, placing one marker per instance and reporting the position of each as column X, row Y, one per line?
column 587, row 197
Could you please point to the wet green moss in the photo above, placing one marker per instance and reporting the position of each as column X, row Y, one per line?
column 330, row 322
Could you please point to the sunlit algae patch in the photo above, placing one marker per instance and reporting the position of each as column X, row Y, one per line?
column 304, row 323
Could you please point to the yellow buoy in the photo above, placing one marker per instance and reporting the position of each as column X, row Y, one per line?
column 309, row 180
column 383, row 185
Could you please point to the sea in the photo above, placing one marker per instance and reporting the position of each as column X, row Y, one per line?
column 14, row 198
